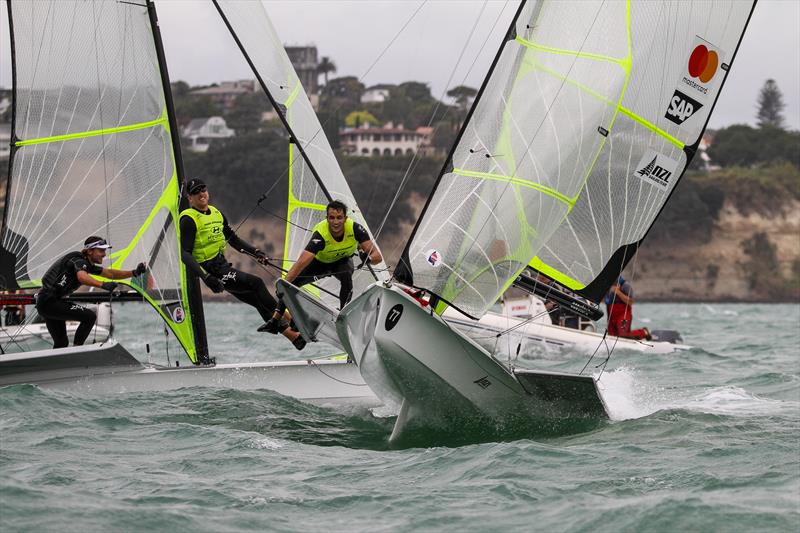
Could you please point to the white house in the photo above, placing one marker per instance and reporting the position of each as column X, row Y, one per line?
column 200, row 131
column 376, row 94
column 386, row 140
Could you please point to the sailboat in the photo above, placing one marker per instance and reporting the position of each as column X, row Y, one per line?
column 95, row 150
column 585, row 123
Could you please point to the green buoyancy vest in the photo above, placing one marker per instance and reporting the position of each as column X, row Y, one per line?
column 335, row 250
column 209, row 241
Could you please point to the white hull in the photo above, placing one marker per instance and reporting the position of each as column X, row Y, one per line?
column 109, row 369
column 550, row 336
column 439, row 375
column 34, row 336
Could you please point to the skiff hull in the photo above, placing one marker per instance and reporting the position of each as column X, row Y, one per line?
column 440, row 376
column 110, row 369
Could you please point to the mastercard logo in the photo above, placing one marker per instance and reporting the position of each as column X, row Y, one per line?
column 703, row 63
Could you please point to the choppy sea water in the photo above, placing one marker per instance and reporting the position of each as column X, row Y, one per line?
column 703, row 440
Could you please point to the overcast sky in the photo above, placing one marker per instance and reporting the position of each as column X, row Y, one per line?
column 442, row 42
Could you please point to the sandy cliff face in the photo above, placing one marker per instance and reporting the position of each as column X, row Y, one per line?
column 750, row 257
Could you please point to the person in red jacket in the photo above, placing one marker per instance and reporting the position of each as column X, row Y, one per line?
column 619, row 304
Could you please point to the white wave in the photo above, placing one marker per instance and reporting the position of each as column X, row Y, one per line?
column 265, row 443
column 627, row 397
column 731, row 400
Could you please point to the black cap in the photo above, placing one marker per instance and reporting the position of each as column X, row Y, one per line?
column 95, row 242
column 195, row 186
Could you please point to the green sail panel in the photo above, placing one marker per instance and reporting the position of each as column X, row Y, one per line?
column 314, row 174
column 92, row 152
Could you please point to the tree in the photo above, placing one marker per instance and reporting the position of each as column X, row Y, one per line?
column 325, row 67
column 463, row 95
column 770, row 106
column 356, row 118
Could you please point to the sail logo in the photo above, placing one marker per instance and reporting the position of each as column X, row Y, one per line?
column 703, row 63
column 681, row 107
column 483, row 382
column 174, row 311
column 433, row 257
column 701, row 67
column 656, row 169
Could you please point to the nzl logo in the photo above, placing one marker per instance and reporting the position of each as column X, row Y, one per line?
column 681, row 107
column 656, row 169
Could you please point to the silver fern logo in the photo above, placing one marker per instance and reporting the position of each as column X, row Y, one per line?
column 656, row 169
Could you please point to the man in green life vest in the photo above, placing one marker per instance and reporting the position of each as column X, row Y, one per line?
column 334, row 241
column 204, row 234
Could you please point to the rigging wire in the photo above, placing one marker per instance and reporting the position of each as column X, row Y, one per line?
column 438, row 104
column 331, row 115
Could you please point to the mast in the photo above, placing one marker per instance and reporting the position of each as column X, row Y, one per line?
column 403, row 272
column 279, row 109
column 193, row 295
column 8, row 259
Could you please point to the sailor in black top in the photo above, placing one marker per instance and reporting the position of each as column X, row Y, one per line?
column 64, row 277
column 204, row 234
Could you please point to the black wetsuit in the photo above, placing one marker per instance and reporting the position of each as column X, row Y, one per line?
column 59, row 281
column 246, row 287
column 341, row 269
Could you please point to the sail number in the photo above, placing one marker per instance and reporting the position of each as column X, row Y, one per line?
column 393, row 317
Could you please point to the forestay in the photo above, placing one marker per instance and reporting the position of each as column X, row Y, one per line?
column 91, row 152
column 314, row 174
column 586, row 121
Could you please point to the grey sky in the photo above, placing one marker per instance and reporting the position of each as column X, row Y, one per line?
column 354, row 34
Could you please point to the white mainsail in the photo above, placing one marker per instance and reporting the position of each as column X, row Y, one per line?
column 315, row 177
column 92, row 151
column 573, row 145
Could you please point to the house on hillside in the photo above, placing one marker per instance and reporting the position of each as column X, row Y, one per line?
column 226, row 93
column 201, row 132
column 5, row 141
column 376, row 94
column 386, row 140
column 705, row 143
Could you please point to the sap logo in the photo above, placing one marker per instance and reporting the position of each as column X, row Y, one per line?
column 681, row 107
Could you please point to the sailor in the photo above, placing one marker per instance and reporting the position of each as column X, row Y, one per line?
column 328, row 253
column 64, row 277
column 619, row 304
column 204, row 234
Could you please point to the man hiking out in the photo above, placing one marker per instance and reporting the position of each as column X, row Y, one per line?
column 329, row 253
column 204, row 234
column 64, row 277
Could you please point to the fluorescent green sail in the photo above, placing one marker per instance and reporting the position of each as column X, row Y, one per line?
column 93, row 153
column 573, row 145
column 314, row 174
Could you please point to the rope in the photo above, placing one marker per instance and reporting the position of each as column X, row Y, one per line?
column 315, row 365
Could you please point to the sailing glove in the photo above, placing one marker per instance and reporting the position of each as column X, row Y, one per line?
column 140, row 269
column 364, row 256
column 110, row 286
column 214, row 283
